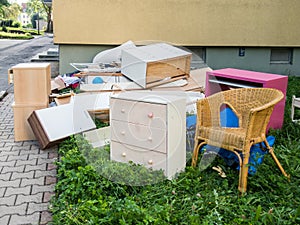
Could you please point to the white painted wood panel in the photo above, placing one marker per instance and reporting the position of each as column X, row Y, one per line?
column 139, row 135
column 150, row 159
column 138, row 112
column 62, row 121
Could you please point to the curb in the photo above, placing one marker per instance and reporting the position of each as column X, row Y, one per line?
column 2, row 94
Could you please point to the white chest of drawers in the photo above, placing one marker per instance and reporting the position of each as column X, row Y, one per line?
column 149, row 128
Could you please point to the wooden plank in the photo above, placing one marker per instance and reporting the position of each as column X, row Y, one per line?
column 53, row 124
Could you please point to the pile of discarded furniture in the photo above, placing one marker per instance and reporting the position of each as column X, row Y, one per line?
column 146, row 93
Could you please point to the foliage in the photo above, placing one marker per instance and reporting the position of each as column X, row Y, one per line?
column 86, row 194
column 7, row 23
column 5, row 35
column 29, row 25
column 34, row 7
column 3, row 7
column 16, row 24
column 17, row 33
column 10, row 11
column 48, row 10
column 36, row 11
column 4, row 2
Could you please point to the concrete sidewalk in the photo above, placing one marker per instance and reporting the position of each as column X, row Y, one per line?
column 27, row 174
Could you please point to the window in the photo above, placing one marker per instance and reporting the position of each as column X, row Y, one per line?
column 281, row 55
column 199, row 53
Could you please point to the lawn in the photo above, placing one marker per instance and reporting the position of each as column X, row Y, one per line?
column 86, row 194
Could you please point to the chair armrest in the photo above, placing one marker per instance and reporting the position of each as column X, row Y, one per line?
column 259, row 118
column 203, row 113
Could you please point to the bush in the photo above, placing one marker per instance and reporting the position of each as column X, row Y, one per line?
column 16, row 24
column 7, row 23
column 28, row 26
column 4, row 29
column 15, row 36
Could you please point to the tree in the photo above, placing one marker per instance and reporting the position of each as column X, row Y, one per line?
column 9, row 11
column 3, row 5
column 13, row 11
column 48, row 10
column 36, row 8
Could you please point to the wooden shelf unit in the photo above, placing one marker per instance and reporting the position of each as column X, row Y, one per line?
column 32, row 87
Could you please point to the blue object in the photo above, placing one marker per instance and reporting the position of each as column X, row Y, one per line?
column 255, row 159
column 97, row 80
column 191, row 120
column 190, row 132
column 228, row 118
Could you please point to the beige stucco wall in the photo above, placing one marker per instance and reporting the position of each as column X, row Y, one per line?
column 182, row 22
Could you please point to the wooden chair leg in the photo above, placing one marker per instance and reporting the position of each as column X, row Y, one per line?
column 195, row 153
column 271, row 151
column 244, row 170
column 197, row 147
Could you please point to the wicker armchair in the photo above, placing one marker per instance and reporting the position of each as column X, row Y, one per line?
column 253, row 107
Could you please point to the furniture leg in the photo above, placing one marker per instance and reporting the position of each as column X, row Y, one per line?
column 271, row 150
column 196, row 152
column 244, row 170
column 293, row 108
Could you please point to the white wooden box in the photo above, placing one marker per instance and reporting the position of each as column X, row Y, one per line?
column 148, row 128
column 155, row 63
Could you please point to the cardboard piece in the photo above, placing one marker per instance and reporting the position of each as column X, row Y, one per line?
column 57, row 83
column 98, row 137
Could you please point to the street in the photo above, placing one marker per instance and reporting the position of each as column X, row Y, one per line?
column 13, row 52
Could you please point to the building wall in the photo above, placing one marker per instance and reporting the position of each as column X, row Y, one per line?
column 82, row 28
column 256, row 59
column 24, row 19
column 182, row 22
column 77, row 54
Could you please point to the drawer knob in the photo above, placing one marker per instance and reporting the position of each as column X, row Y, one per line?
column 149, row 138
column 150, row 115
column 150, row 162
column 124, row 154
column 123, row 132
column 122, row 110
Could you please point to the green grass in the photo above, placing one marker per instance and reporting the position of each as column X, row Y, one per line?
column 85, row 195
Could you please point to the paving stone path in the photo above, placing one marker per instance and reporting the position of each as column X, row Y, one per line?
column 27, row 175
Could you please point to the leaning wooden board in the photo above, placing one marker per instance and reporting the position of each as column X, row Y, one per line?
column 51, row 125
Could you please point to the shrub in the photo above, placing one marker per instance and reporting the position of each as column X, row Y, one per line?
column 15, row 36
column 4, row 29
column 16, row 24
column 7, row 23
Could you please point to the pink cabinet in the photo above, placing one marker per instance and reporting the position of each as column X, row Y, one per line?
column 225, row 79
